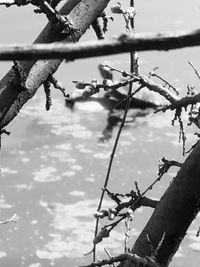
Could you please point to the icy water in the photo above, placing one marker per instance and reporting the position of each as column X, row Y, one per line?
column 54, row 163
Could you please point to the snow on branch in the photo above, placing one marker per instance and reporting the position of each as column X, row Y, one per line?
column 121, row 44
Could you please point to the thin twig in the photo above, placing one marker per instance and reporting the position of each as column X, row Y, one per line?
column 194, row 68
column 165, row 81
column 116, row 140
column 9, row 3
column 107, row 252
column 12, row 219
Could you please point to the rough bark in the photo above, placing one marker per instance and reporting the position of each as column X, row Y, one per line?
column 122, row 44
column 173, row 214
column 12, row 98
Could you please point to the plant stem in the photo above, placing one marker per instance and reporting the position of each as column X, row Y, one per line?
column 133, row 69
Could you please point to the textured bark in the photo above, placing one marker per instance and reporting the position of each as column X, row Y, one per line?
column 122, row 44
column 12, row 98
column 174, row 213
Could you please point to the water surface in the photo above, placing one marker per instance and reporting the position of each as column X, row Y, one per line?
column 54, row 163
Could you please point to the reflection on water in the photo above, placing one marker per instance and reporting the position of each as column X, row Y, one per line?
column 114, row 119
column 53, row 167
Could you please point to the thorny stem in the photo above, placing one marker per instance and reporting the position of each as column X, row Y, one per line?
column 133, row 69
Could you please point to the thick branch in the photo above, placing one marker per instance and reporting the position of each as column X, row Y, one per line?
column 148, row 202
column 174, row 213
column 182, row 102
column 11, row 98
column 124, row 43
column 167, row 94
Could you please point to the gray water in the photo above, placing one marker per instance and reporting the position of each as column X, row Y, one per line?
column 54, row 163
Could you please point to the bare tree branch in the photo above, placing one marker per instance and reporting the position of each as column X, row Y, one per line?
column 12, row 99
column 148, row 202
column 133, row 258
column 182, row 192
column 123, row 43
column 195, row 69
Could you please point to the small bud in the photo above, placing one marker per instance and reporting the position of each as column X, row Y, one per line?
column 80, row 85
column 102, row 234
column 130, row 214
column 87, row 92
column 107, row 82
column 94, row 84
column 116, row 9
column 105, row 72
column 111, row 214
column 101, row 214
column 131, row 12
column 124, row 74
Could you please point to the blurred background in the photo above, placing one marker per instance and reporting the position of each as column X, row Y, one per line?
column 53, row 164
